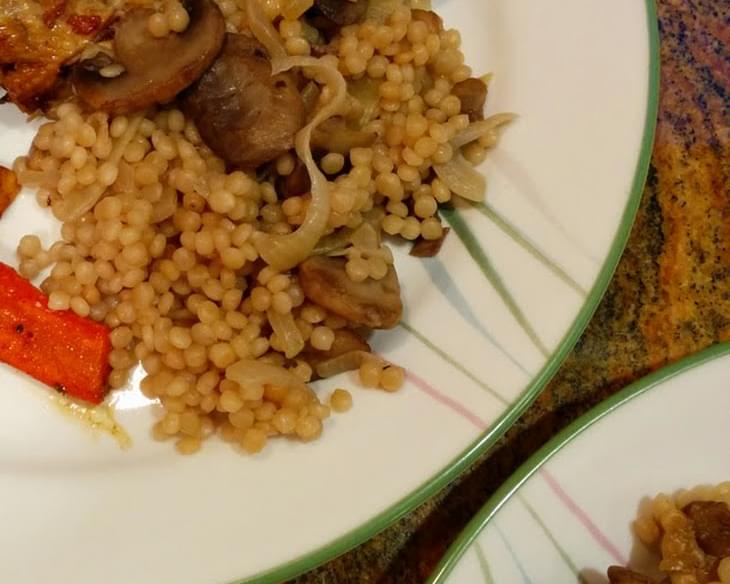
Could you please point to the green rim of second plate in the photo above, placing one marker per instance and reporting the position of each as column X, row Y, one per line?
column 537, row 460
column 429, row 488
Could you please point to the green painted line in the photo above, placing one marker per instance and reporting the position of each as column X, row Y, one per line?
column 519, row 238
column 483, row 563
column 451, row 361
column 478, row 254
column 561, row 551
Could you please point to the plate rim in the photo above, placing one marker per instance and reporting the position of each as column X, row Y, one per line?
column 566, row 436
column 486, row 440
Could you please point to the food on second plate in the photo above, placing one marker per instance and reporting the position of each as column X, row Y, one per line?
column 690, row 533
column 227, row 175
column 66, row 351
column 9, row 188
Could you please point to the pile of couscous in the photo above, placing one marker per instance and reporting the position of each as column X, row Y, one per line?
column 238, row 272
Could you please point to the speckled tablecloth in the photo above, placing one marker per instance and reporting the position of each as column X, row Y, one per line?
column 670, row 295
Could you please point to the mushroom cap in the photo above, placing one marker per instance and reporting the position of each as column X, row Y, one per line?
column 156, row 69
column 342, row 12
column 375, row 304
column 246, row 115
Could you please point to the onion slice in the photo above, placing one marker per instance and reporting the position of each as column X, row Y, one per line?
column 283, row 252
column 254, row 375
column 478, row 129
column 287, row 332
column 462, row 178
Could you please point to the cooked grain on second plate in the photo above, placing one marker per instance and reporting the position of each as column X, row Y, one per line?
column 690, row 533
column 226, row 174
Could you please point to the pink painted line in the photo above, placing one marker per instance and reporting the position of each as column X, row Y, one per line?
column 445, row 400
column 583, row 517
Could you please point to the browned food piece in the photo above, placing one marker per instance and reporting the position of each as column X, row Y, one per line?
column 155, row 69
column 346, row 342
column 243, row 113
column 711, row 521
column 433, row 21
column 472, row 93
column 428, row 248
column 37, row 38
column 296, row 183
column 679, row 548
column 375, row 304
column 620, row 575
column 334, row 135
column 9, row 188
column 342, row 12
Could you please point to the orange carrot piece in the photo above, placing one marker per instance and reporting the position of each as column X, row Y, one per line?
column 66, row 351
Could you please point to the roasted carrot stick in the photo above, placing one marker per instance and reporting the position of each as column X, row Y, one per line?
column 68, row 352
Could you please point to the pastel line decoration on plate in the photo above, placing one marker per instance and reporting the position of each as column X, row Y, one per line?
column 511, row 551
column 452, row 361
column 582, row 516
column 523, row 241
column 483, row 563
column 445, row 284
column 444, row 399
column 550, row 535
column 457, row 223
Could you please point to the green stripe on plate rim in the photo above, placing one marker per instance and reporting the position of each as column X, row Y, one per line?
column 537, row 460
column 434, row 484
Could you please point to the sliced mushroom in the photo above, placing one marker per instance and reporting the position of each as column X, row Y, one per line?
column 472, row 93
column 341, row 356
column 334, row 135
column 375, row 304
column 243, row 113
column 620, row 575
column 155, row 70
column 711, row 521
column 328, row 16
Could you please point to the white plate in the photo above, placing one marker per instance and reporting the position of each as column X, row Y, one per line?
column 486, row 325
column 566, row 513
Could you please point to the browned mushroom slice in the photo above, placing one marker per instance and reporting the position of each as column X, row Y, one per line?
column 712, row 526
column 342, row 12
column 341, row 356
column 472, row 93
column 375, row 304
column 334, row 135
column 295, row 183
column 619, row 575
column 243, row 113
column 155, row 69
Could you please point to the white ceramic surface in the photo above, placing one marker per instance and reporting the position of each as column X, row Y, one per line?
column 566, row 176
column 566, row 515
